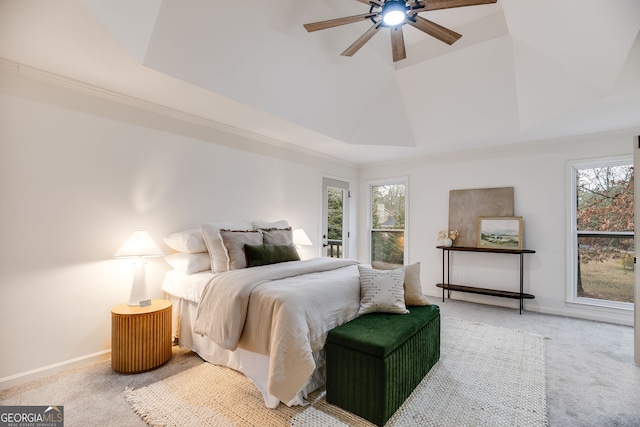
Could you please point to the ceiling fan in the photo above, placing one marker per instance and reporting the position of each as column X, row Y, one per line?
column 394, row 14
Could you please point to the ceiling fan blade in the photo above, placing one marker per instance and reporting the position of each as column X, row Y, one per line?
column 434, row 30
column 351, row 50
column 315, row 26
column 425, row 5
column 369, row 2
column 397, row 43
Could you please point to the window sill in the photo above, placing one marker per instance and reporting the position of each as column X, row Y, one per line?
column 601, row 305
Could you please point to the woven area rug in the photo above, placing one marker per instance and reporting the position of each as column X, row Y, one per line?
column 486, row 376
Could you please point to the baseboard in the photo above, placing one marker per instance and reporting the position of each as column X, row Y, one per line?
column 595, row 314
column 46, row 371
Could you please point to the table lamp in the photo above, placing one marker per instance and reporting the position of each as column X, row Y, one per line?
column 138, row 246
column 300, row 238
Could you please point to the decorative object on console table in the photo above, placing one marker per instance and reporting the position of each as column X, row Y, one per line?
column 140, row 336
column 502, row 232
column 139, row 245
column 448, row 286
column 448, row 237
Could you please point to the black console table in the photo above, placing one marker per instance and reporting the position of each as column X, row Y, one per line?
column 448, row 286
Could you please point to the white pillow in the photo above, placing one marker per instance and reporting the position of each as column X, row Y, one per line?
column 187, row 241
column 283, row 223
column 381, row 291
column 189, row 263
column 211, row 232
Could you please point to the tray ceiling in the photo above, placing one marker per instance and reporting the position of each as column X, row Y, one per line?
column 524, row 69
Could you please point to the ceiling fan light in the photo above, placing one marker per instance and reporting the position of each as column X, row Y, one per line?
column 393, row 18
column 394, row 12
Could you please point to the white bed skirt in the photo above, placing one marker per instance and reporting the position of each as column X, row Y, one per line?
column 253, row 365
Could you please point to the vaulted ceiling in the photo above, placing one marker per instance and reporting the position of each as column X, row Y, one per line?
column 524, row 69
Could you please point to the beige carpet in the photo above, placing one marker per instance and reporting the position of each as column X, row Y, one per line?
column 486, row 376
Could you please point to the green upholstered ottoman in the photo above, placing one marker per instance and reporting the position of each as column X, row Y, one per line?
column 375, row 361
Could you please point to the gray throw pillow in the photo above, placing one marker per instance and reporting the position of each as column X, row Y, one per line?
column 277, row 236
column 233, row 243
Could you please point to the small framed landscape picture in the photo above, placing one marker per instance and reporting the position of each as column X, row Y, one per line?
column 500, row 232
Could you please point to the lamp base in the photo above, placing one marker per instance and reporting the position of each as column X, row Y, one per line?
column 139, row 287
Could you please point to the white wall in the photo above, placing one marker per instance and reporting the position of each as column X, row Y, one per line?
column 537, row 171
column 78, row 174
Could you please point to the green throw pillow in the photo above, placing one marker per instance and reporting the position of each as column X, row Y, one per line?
column 270, row 254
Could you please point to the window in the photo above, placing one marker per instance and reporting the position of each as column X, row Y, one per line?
column 388, row 221
column 602, row 233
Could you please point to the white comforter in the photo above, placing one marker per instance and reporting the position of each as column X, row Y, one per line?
column 281, row 310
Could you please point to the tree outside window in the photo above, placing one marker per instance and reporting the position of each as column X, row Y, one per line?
column 335, row 209
column 335, row 201
column 387, row 225
column 605, row 224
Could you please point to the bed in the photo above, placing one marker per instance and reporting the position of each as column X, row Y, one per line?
column 266, row 319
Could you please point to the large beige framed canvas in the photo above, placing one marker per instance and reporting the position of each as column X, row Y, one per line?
column 465, row 206
column 500, row 232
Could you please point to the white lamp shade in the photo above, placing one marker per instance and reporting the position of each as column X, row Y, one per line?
column 300, row 238
column 139, row 244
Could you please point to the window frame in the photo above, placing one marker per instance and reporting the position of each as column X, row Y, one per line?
column 388, row 181
column 572, row 298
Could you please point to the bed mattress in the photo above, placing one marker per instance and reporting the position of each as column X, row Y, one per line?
column 186, row 286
